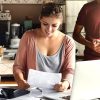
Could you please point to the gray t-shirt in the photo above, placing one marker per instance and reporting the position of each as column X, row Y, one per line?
column 49, row 63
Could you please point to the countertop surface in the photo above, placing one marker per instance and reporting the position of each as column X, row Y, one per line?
column 6, row 67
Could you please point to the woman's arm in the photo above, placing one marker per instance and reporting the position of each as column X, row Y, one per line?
column 20, row 64
column 68, row 66
column 19, row 77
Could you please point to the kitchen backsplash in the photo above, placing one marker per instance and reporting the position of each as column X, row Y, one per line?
column 72, row 10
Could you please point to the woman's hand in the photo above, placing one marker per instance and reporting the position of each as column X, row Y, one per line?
column 23, row 84
column 62, row 86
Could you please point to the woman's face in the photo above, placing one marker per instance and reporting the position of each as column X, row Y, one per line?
column 50, row 25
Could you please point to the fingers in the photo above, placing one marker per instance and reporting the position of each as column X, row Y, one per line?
column 23, row 85
column 60, row 87
column 96, row 42
column 95, row 45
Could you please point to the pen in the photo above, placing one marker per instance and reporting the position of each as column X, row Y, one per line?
column 65, row 97
column 39, row 89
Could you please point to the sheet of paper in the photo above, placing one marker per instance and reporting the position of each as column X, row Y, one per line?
column 46, row 93
column 51, row 94
column 43, row 79
column 45, row 82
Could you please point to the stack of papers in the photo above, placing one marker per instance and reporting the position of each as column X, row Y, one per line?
column 41, row 86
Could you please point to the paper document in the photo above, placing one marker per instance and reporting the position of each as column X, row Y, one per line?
column 48, row 94
column 43, row 79
column 51, row 94
column 41, row 86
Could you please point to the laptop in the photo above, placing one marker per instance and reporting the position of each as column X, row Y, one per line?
column 86, row 83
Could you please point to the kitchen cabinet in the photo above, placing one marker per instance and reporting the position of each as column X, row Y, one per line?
column 14, row 5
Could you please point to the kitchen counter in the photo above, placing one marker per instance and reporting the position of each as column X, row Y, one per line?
column 6, row 67
column 6, row 72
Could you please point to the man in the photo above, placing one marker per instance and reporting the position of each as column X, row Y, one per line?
column 89, row 18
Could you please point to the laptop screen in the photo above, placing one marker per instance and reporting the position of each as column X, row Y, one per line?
column 86, row 83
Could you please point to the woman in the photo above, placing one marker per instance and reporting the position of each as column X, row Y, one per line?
column 46, row 49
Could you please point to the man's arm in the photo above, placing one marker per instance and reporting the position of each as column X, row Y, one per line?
column 93, row 44
column 78, row 36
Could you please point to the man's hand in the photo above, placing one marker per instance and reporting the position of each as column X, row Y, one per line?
column 62, row 86
column 95, row 45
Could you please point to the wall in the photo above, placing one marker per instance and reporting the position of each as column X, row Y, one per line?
column 72, row 10
column 19, row 11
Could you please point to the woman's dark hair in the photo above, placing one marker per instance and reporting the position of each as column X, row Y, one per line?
column 51, row 9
